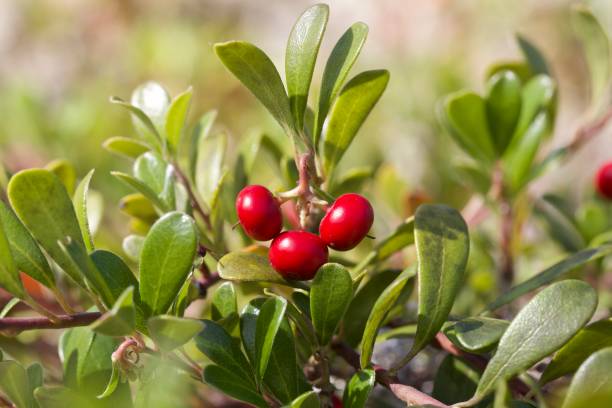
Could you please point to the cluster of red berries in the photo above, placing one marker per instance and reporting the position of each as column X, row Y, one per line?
column 298, row 254
column 603, row 180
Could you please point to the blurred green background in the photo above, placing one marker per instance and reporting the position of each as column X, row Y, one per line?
column 62, row 59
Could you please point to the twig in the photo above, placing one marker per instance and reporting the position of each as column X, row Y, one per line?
column 19, row 324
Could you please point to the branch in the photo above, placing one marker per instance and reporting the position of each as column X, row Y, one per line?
column 404, row 392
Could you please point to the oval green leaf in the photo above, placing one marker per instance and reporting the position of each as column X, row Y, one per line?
column 176, row 117
column 476, row 334
column 166, row 260
column 170, row 332
column 79, row 201
column 442, row 244
column 45, row 208
column 337, row 68
column 301, row 56
column 124, row 146
column 269, row 320
column 348, row 113
column 503, row 102
column 248, row 267
column 547, row 322
column 120, row 319
column 358, row 389
column 223, row 301
column 592, row 338
column 9, row 275
column 592, row 383
column 331, row 293
column 233, row 385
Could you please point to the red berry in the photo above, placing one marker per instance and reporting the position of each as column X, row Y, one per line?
column 347, row 222
column 336, row 402
column 259, row 213
column 603, row 180
column 297, row 255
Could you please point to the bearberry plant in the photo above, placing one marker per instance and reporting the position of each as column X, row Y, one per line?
column 229, row 290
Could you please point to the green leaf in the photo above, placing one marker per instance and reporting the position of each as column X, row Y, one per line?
column 115, row 272
column 383, row 304
column 64, row 170
column 503, row 103
column 534, row 57
column 309, row 399
column 43, row 205
column 80, row 205
column 221, row 349
column 223, row 301
column 476, row 334
column 358, row 389
column 331, row 293
column 233, row 385
column 59, row 397
column 257, row 72
column 248, row 267
column 547, row 322
column 120, row 319
column 560, row 223
column 132, row 246
column 15, row 384
column 176, row 117
column 269, row 320
column 592, row 383
column 9, row 275
column 201, row 131
column 86, row 355
column 596, row 48
column 464, row 115
column 520, row 155
column 142, row 188
column 112, row 382
column 125, row 146
column 301, row 56
column 27, row 255
column 153, row 100
column 209, row 166
column 138, row 206
column 149, row 133
column 348, row 113
column 166, row 260
column 170, row 332
column 594, row 337
column 402, row 237
column 95, row 279
column 36, row 376
column 550, row 274
column 359, row 309
column 150, row 168
column 442, row 244
column 337, row 68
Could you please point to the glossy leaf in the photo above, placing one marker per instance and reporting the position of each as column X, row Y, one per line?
column 150, row 168
column 247, row 267
column 176, row 117
column 165, row 261
column 125, row 146
column 142, row 188
column 153, row 100
column 594, row 337
column 170, row 332
column 221, row 349
column 592, row 383
column 309, row 399
column 337, row 68
column 358, row 389
column 476, row 334
column 150, row 132
column 51, row 222
column 534, row 57
column 547, row 322
column 132, row 246
column 115, row 272
column 209, row 166
column 596, row 48
column 331, row 293
column 80, row 205
column 15, row 384
column 383, row 304
column 95, row 279
column 120, row 319
column 233, row 385
column 137, row 205
column 301, row 56
column 550, row 274
column 442, row 244
column 464, row 114
column 348, row 113
column 65, row 172
column 257, row 72
column 27, row 255
column 503, row 103
column 269, row 320
column 223, row 301
column 9, row 275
